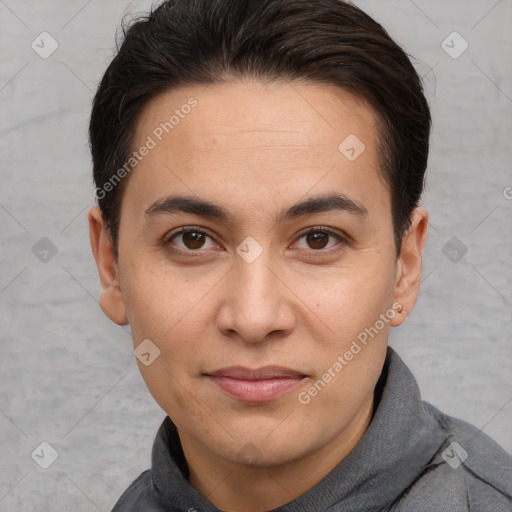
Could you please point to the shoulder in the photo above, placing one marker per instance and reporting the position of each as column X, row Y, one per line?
column 469, row 472
column 141, row 494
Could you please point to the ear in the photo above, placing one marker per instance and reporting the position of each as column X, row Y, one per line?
column 408, row 265
column 111, row 300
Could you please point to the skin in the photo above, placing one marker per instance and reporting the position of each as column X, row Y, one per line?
column 255, row 150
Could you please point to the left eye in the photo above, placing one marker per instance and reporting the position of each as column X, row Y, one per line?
column 318, row 239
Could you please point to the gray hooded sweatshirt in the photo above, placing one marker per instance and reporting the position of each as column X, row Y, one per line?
column 412, row 458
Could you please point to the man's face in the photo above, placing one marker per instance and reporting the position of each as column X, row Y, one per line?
column 256, row 289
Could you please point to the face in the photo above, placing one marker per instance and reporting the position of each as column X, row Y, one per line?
column 281, row 255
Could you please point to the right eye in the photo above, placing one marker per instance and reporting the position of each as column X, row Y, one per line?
column 192, row 239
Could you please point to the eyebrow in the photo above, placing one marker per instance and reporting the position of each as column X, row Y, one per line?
column 312, row 205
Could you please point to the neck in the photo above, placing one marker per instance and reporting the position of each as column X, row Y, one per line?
column 233, row 487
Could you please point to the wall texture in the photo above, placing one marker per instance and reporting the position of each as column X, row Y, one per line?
column 68, row 375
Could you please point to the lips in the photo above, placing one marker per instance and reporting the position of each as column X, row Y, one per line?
column 256, row 384
column 266, row 372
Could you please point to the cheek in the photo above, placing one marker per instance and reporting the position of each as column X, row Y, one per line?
column 160, row 311
column 171, row 312
column 349, row 299
column 155, row 300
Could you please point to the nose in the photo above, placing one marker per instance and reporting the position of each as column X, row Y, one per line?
column 257, row 302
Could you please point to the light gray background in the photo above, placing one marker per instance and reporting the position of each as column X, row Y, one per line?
column 68, row 375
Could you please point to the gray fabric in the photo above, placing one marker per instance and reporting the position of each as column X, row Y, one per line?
column 397, row 466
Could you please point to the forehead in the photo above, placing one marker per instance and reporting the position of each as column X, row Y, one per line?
column 262, row 138
column 310, row 113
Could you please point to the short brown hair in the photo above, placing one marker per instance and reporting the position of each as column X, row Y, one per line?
column 184, row 42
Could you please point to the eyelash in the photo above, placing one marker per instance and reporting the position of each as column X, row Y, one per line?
column 195, row 229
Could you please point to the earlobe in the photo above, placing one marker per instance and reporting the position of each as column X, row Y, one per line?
column 409, row 264
column 111, row 299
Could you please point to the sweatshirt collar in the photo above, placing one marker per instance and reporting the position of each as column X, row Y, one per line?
column 400, row 441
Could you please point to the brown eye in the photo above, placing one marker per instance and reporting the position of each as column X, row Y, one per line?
column 319, row 239
column 193, row 239
column 190, row 239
